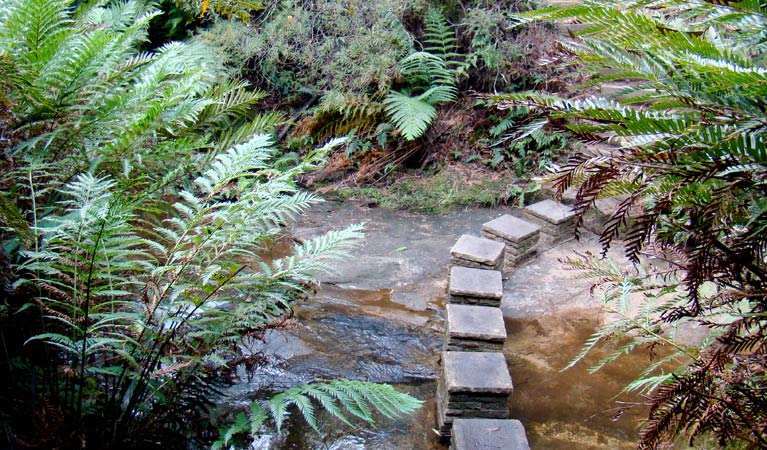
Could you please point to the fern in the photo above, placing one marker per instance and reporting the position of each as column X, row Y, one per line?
column 434, row 72
column 158, row 296
column 357, row 398
column 688, row 151
column 439, row 38
column 412, row 115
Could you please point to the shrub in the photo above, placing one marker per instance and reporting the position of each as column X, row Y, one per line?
column 322, row 45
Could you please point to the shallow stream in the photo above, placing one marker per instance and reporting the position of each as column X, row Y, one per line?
column 358, row 327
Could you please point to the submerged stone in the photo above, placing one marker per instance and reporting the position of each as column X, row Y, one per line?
column 488, row 434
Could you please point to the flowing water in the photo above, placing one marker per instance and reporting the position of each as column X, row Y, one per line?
column 393, row 334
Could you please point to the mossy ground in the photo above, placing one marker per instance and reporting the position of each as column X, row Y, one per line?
column 440, row 192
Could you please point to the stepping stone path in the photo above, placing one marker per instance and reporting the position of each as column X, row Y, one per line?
column 477, row 253
column 474, row 328
column 488, row 434
column 474, row 384
column 519, row 236
column 475, row 286
column 556, row 220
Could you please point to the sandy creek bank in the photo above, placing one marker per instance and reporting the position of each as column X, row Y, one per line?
column 380, row 318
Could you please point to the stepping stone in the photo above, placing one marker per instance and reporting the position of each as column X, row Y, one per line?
column 474, row 328
column 519, row 236
column 477, row 253
column 488, row 434
column 556, row 219
column 475, row 286
column 472, row 384
column 511, row 229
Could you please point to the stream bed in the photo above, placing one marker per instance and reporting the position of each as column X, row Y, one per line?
column 381, row 318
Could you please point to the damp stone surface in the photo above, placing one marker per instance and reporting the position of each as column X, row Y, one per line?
column 472, row 384
column 477, row 252
column 474, row 328
column 475, row 286
column 488, row 434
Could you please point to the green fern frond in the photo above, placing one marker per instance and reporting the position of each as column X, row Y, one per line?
column 232, row 100
column 440, row 37
column 311, row 255
column 263, row 123
column 357, row 397
column 412, row 115
column 235, row 163
column 335, row 397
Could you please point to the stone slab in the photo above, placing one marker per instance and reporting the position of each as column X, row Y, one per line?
column 488, row 434
column 523, row 243
column 474, row 265
column 480, row 283
column 476, row 301
column 552, row 212
column 477, row 249
column 511, row 228
column 476, row 372
column 517, row 260
column 475, row 322
column 472, row 345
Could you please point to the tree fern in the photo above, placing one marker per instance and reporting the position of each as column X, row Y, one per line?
column 684, row 142
column 123, row 289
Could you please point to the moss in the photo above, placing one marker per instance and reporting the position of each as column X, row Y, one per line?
column 440, row 193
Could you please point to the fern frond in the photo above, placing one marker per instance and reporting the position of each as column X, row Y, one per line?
column 356, row 397
column 232, row 100
column 440, row 38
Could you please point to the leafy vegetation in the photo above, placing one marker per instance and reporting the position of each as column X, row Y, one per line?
column 359, row 398
column 433, row 72
column 381, row 74
column 684, row 145
column 140, row 189
column 524, row 140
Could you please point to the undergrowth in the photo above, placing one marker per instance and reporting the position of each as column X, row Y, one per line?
column 440, row 193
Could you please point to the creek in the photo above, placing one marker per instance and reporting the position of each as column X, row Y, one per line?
column 380, row 318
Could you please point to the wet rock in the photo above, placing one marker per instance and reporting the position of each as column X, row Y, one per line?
column 484, row 374
column 478, row 253
column 488, row 434
column 472, row 384
column 474, row 328
column 475, row 286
